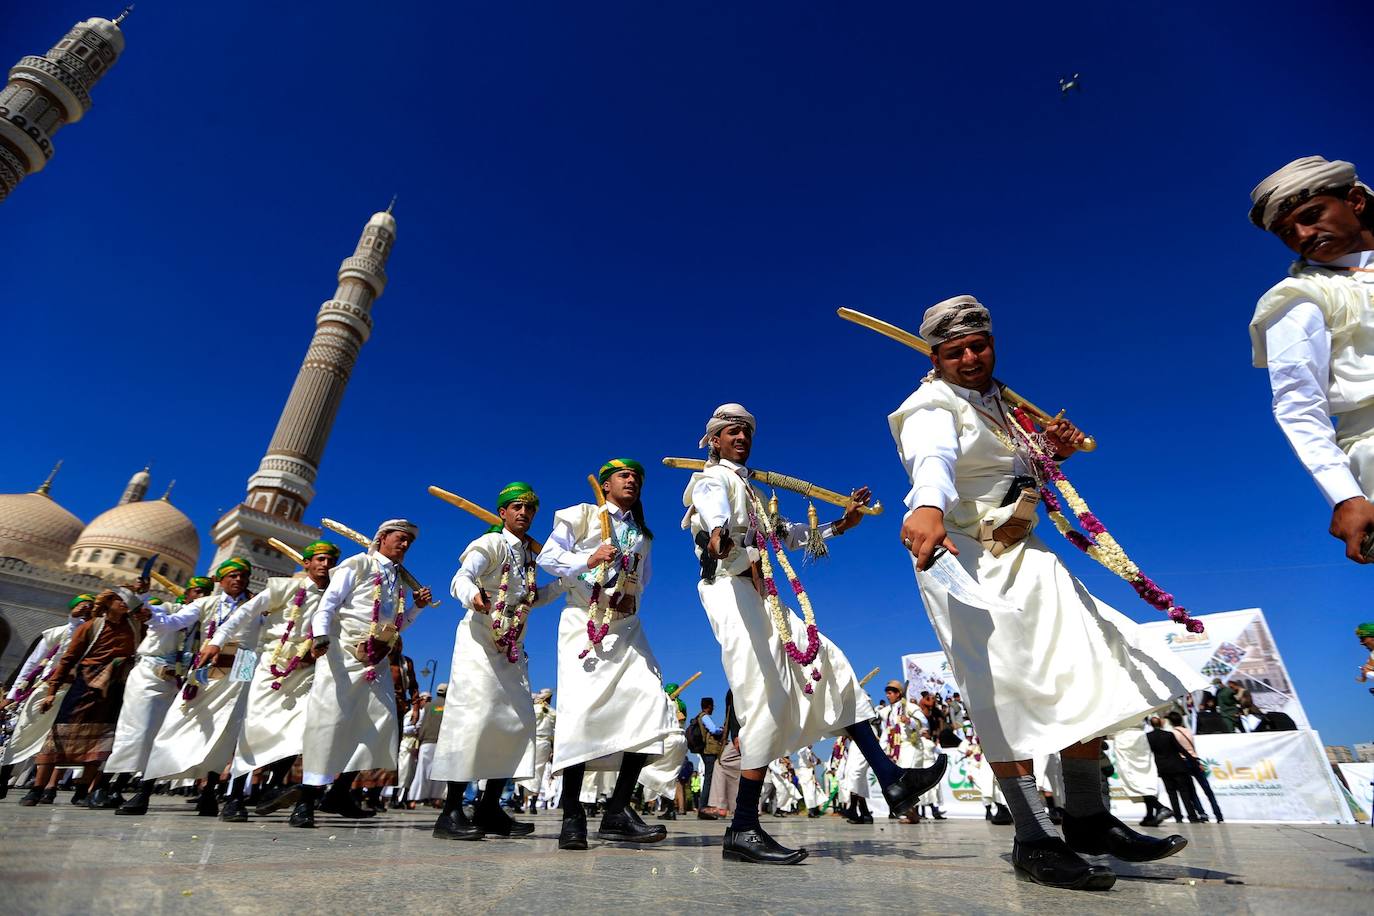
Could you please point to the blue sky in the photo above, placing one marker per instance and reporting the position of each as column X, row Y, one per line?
column 613, row 219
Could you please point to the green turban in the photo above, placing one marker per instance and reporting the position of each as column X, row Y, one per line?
column 204, row 583
column 154, row 601
column 668, row 689
column 318, row 547
column 71, row 605
column 620, row 464
column 1364, row 629
column 518, row 491
column 232, row 564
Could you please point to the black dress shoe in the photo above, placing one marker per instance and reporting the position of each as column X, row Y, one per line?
column 758, row 847
column 626, row 827
column 80, row 795
column 206, row 805
column 48, row 797
column 669, row 815
column 1052, row 863
column 281, row 797
column 500, row 823
column 31, row 798
column 1102, row 834
column 101, row 798
column 342, row 804
column 707, row 816
column 234, row 811
column 906, row 792
column 137, row 804
column 938, row 815
column 454, row 825
column 303, row 815
column 574, row 833
column 1056, row 814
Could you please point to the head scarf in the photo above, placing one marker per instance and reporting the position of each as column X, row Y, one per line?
column 681, row 706
column 441, row 689
column 724, row 416
column 1297, row 182
column 516, row 491
column 544, row 694
column 71, row 605
column 129, row 598
column 894, row 685
column 201, row 582
column 954, row 318
column 620, row 464
column 1364, row 629
column 317, row 547
column 232, row 564
column 397, row 524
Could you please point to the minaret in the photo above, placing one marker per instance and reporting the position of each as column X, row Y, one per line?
column 45, row 93
column 284, row 483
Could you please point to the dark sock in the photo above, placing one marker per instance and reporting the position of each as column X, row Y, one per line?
column 311, row 793
column 490, row 802
column 121, row 782
column 625, row 783
column 146, row 787
column 453, row 799
column 867, row 742
column 281, row 770
column 1082, row 786
column 572, row 790
column 1027, row 808
column 344, row 783
column 238, row 787
column 747, row 804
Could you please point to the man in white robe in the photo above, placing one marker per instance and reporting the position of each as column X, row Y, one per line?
column 780, row 704
column 545, row 722
column 1314, row 332
column 198, row 735
column 488, row 731
column 350, row 716
column 1045, row 667
column 610, row 687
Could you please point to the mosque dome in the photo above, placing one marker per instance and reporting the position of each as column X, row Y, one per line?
column 35, row 529
column 115, row 545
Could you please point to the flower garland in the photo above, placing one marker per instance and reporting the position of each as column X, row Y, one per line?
column 510, row 627
column 189, row 691
column 763, row 537
column 278, row 673
column 371, row 644
column 1094, row 540
column 597, row 632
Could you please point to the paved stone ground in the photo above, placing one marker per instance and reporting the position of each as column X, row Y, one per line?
column 61, row 859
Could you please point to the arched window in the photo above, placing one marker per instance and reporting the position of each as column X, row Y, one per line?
column 162, row 570
column 118, row 559
column 95, row 556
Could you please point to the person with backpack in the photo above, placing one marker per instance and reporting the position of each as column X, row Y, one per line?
column 706, row 738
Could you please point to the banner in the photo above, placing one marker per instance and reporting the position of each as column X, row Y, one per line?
column 1359, row 777
column 1237, row 645
column 928, row 671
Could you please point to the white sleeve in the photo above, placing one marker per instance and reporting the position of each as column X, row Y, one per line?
column 560, row 556
column 799, row 533
column 549, row 592
column 406, row 617
column 465, row 585
column 260, row 603
column 1299, row 346
column 712, row 502
column 340, row 587
column 930, row 447
column 30, row 666
column 179, row 617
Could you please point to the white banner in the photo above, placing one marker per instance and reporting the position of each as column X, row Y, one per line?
column 1360, row 778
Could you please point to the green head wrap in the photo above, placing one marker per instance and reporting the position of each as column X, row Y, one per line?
column 154, row 601
column 71, row 605
column 668, row 689
column 620, row 464
column 232, row 564
column 318, row 547
column 204, row 583
column 517, row 491
column 1364, row 629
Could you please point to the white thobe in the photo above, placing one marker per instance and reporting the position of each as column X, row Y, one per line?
column 853, row 773
column 611, row 700
column 350, row 722
column 902, row 724
column 1315, row 374
column 775, row 713
column 1059, row 666
column 31, row 727
column 806, row 776
column 198, row 735
column 929, row 753
column 1135, row 763
column 489, row 722
column 151, row 688
column 545, row 722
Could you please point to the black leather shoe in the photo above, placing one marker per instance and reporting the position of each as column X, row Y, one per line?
column 80, row 795
column 281, row 797
column 1103, row 835
column 303, row 815
column 813, row 812
column 234, row 811
column 31, row 798
column 206, row 806
column 627, row 827
column 906, row 792
column 758, row 847
column 342, row 804
column 48, row 797
column 137, row 804
column 669, row 815
column 574, row 833
column 455, row 825
column 1002, row 817
column 938, row 815
column 707, row 816
column 1053, row 864
column 501, row 824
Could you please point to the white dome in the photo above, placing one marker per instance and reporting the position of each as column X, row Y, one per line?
column 35, row 529
column 120, row 539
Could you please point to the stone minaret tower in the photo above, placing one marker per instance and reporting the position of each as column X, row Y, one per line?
column 285, row 480
column 45, row 93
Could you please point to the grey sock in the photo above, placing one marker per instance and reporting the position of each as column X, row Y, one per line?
column 1027, row 808
column 1082, row 786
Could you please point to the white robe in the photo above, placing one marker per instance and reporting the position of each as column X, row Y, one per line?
column 198, row 735
column 853, row 773
column 902, row 724
column 775, row 713
column 489, row 722
column 350, row 722
column 1060, row 666
column 929, row 753
column 31, row 727
column 785, row 793
column 806, row 776
column 1135, row 764
column 545, row 721
column 148, row 694
column 659, row 775
column 611, row 701
column 274, row 720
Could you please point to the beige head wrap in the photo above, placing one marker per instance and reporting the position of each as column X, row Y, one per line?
column 1297, row 182
column 954, row 318
column 397, row 524
column 726, row 415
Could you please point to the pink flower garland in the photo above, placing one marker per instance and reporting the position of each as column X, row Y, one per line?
column 34, row 681
column 770, row 584
column 595, row 633
column 508, row 639
column 371, row 647
column 1097, row 537
column 279, row 674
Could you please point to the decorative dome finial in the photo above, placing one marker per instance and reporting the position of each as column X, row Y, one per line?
column 46, row 486
column 123, row 15
column 391, row 206
column 167, row 497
